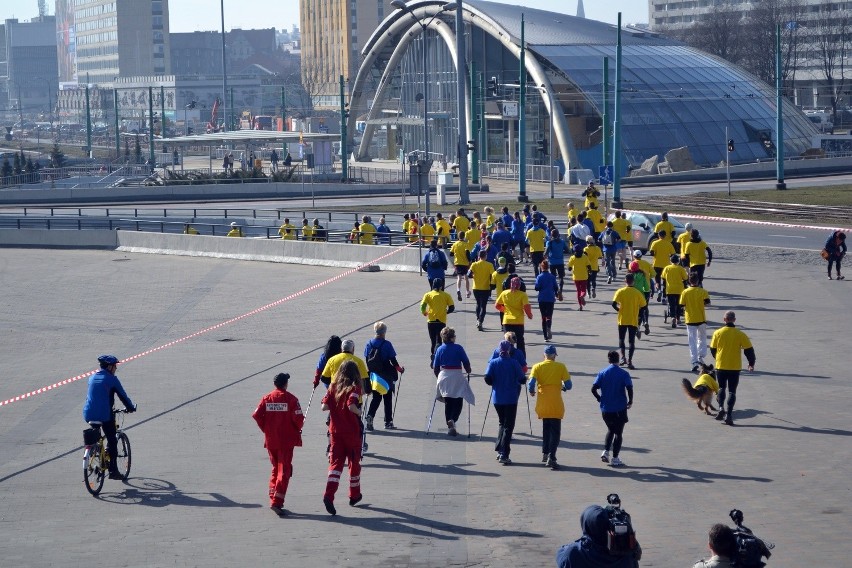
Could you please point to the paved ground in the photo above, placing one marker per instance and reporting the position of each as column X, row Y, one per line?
column 197, row 493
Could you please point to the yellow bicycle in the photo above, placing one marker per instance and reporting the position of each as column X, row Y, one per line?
column 96, row 457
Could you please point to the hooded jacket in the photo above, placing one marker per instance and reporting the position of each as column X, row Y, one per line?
column 589, row 551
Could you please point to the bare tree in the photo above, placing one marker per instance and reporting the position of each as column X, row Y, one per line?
column 718, row 32
column 759, row 33
column 828, row 42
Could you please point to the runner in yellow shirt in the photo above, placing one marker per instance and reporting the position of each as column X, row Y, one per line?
column 287, row 231
column 459, row 252
column 683, row 238
column 622, row 226
column 594, row 252
column 427, row 230
column 480, row 271
column 461, row 223
column 665, row 225
column 307, row 231
column 580, row 266
column 725, row 346
column 435, row 306
column 366, row 231
column 627, row 301
column 661, row 249
column 693, row 300
column 442, row 229
column 699, row 254
column 549, row 379
column 674, row 279
column 236, row 230
column 514, row 304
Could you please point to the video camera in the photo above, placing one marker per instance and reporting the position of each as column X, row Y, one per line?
column 620, row 538
column 750, row 549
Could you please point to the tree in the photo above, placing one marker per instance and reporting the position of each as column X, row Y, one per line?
column 6, row 169
column 29, row 167
column 57, row 157
column 829, row 43
column 719, row 33
column 126, row 150
column 16, row 166
column 759, row 33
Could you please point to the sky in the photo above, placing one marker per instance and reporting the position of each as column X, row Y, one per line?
column 200, row 15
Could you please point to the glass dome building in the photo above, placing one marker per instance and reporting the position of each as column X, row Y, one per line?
column 673, row 96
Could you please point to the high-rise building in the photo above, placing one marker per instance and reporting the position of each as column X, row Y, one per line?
column 100, row 40
column 333, row 34
column 28, row 75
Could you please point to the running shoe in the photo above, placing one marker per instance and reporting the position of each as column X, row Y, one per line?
column 355, row 500
column 369, row 423
column 278, row 510
column 605, row 456
column 616, row 462
column 329, row 506
column 623, row 362
column 721, row 415
column 630, row 366
column 505, row 461
column 458, row 294
column 729, row 421
column 647, row 329
column 389, row 426
column 594, row 293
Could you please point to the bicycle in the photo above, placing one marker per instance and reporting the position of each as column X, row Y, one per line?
column 96, row 457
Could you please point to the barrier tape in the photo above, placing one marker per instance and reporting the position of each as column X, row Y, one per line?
column 211, row 328
column 747, row 221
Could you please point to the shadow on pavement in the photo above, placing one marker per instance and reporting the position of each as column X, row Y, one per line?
column 449, row 469
column 160, row 493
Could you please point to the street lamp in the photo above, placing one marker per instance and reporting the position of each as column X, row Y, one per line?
column 550, row 139
column 401, row 5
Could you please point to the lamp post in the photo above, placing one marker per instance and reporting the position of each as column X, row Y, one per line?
column 224, row 71
column 401, row 5
column 550, row 139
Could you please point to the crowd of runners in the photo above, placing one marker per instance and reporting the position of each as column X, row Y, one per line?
column 499, row 261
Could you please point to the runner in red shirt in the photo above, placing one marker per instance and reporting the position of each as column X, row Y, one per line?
column 343, row 403
column 279, row 416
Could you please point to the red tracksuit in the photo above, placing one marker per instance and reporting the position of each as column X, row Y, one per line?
column 280, row 418
column 345, row 435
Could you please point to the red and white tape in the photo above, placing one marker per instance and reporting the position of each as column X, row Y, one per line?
column 748, row 221
column 209, row 329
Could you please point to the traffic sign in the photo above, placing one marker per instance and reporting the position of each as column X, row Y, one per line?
column 605, row 174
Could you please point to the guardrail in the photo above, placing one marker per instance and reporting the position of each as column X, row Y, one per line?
column 500, row 170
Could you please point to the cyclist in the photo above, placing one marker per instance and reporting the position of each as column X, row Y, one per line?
column 103, row 385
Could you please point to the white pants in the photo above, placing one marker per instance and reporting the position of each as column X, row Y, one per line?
column 697, row 335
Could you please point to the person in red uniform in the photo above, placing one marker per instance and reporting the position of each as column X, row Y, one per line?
column 343, row 403
column 279, row 416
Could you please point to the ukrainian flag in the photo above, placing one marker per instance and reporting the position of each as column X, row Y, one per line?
column 379, row 384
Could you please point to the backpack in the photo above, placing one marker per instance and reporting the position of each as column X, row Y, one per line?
column 435, row 259
column 608, row 239
column 375, row 361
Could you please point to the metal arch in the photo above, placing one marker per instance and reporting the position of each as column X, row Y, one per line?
column 470, row 16
column 410, row 33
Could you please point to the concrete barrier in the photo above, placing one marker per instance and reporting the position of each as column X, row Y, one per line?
column 398, row 259
column 406, row 259
column 43, row 238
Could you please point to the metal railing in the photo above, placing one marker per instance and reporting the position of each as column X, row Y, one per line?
column 500, row 170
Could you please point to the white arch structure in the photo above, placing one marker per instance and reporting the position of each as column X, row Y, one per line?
column 402, row 25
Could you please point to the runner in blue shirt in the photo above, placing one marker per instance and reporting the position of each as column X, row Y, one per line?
column 615, row 397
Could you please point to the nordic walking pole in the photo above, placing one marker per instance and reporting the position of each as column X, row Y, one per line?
column 309, row 402
column 468, row 408
column 396, row 398
column 486, row 412
column 429, row 425
column 363, row 427
column 529, row 414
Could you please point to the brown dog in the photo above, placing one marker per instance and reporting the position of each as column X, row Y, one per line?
column 703, row 390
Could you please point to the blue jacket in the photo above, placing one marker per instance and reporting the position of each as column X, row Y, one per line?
column 615, row 238
column 515, row 354
column 589, row 551
column 518, row 231
column 505, row 376
column 99, row 400
column 613, row 382
column 382, row 228
column 499, row 237
column 437, row 272
column 547, row 287
column 388, row 354
column 555, row 250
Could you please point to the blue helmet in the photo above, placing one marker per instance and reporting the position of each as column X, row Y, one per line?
column 108, row 360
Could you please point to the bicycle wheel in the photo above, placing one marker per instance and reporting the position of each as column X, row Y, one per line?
column 122, row 455
column 93, row 471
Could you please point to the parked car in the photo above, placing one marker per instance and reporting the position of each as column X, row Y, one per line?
column 643, row 228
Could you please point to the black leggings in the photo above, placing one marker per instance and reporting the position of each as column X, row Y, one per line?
column 630, row 331
column 559, row 271
column 453, row 408
column 728, row 380
column 377, row 400
column 835, row 261
column 519, row 336
column 674, row 301
column 551, row 430
column 546, row 309
column 593, row 280
column 482, row 297
column 615, row 422
column 435, row 328
column 536, row 258
column 506, row 414
column 112, row 443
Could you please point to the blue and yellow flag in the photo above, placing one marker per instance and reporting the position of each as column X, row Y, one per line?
column 379, row 384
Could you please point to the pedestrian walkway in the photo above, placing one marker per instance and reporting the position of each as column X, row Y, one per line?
column 198, row 488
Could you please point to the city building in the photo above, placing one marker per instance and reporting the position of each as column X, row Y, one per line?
column 28, row 75
column 99, row 40
column 333, row 33
column 673, row 97
column 815, row 31
column 201, row 53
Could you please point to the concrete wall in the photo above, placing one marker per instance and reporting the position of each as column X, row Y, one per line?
column 405, row 259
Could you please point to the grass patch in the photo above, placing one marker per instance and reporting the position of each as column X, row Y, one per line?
column 836, row 195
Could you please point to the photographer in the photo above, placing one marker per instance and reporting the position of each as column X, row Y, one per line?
column 723, row 545
column 590, row 550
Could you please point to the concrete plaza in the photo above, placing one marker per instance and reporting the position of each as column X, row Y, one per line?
column 197, row 492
